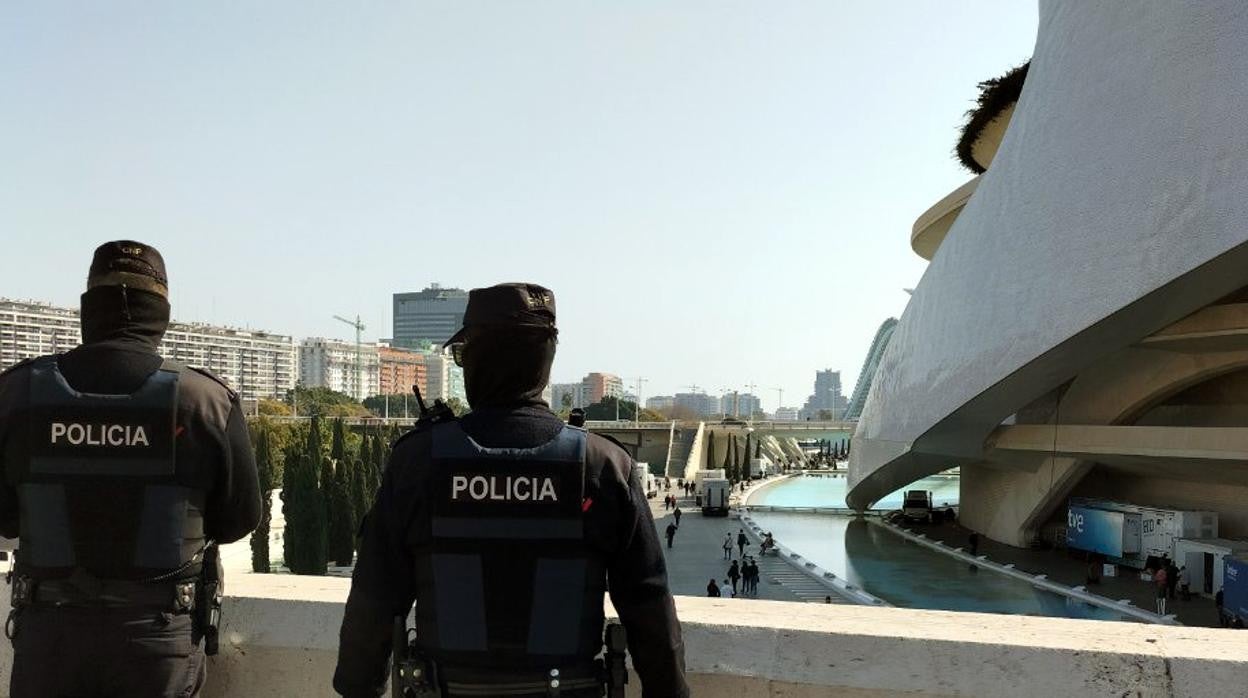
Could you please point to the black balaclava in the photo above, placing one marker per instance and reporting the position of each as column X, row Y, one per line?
column 507, row 367
column 112, row 313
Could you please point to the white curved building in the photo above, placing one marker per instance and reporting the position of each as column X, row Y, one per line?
column 1083, row 326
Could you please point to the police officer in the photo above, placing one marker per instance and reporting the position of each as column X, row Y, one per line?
column 117, row 467
column 506, row 528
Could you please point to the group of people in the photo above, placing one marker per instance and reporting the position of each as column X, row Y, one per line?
column 743, row 574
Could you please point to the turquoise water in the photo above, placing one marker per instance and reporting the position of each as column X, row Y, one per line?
column 896, row 570
column 829, row 491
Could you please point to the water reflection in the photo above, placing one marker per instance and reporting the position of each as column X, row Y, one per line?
column 911, row 576
column 828, row 490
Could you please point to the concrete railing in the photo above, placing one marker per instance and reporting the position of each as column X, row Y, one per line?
column 280, row 638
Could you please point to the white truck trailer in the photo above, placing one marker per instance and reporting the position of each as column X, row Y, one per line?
column 715, row 493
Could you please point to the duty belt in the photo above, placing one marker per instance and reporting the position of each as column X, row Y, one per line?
column 463, row 683
column 178, row 597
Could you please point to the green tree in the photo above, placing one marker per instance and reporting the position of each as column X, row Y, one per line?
column 304, row 540
column 361, row 500
column 260, row 536
column 341, row 538
column 323, row 402
column 459, row 407
column 604, row 410
column 338, row 443
column 273, row 408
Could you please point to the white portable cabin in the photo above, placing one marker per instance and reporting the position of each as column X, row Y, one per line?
column 703, row 475
column 716, row 492
column 1203, row 559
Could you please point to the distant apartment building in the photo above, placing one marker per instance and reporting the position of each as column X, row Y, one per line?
column 430, row 316
column 400, row 370
column 259, row 365
column 444, row 379
column 331, row 363
column 700, row 404
column 567, row 395
column 598, row 386
column 785, row 414
column 739, row 405
column 29, row 329
column 660, row 402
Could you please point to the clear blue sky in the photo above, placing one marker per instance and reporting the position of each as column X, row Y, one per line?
column 719, row 193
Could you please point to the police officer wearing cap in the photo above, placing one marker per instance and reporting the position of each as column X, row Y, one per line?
column 506, row 528
column 117, row 467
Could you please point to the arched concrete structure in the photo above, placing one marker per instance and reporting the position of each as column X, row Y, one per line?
column 1116, row 206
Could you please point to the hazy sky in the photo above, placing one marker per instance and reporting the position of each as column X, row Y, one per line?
column 719, row 193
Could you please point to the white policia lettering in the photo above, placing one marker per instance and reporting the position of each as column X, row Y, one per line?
column 512, row 488
column 99, row 434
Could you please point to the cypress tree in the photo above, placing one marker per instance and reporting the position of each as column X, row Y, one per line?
column 338, row 446
column 745, row 460
column 304, row 541
column 710, row 450
column 264, row 469
column 361, row 502
column 341, row 538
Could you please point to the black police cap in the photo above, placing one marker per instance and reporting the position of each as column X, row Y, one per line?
column 129, row 263
column 508, row 305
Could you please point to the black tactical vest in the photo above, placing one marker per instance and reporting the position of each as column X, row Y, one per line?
column 101, row 490
column 508, row 581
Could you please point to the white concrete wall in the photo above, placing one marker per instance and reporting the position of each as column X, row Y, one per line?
column 281, row 636
column 1114, row 207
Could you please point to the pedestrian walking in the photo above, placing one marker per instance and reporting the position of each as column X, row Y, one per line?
column 742, row 541
column 972, row 542
column 671, row 533
column 1185, row 582
column 727, row 546
column 725, row 590
column 1159, row 579
column 676, row 514
column 734, row 573
column 749, row 576
column 712, row 589
column 1217, row 603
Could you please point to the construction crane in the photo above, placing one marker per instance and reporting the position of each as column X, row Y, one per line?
column 359, row 367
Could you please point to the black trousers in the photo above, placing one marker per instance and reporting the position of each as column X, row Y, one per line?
column 105, row 653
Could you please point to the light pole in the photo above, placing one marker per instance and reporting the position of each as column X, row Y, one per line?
column 779, row 398
column 637, row 407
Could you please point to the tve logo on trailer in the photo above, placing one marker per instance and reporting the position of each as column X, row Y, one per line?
column 1074, row 520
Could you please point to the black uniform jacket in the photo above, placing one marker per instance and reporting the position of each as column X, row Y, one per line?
column 618, row 523
column 214, row 434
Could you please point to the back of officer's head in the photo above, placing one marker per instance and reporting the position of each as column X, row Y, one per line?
column 509, row 339
column 127, row 294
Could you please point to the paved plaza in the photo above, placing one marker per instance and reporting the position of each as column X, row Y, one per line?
column 697, row 555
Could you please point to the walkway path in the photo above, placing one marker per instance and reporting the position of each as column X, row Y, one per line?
column 697, row 555
column 1060, row 567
